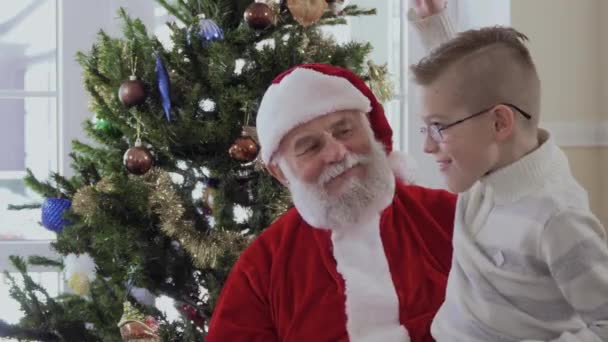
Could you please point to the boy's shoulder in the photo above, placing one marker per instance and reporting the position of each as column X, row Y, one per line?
column 552, row 201
column 539, row 206
column 567, row 194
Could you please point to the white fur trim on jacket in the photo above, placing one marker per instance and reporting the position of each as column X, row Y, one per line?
column 299, row 97
column 372, row 304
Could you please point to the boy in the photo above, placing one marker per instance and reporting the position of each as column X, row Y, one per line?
column 530, row 260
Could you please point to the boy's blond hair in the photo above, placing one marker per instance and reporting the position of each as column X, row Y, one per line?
column 486, row 66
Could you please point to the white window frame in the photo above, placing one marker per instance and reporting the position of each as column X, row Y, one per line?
column 77, row 24
column 385, row 32
column 26, row 248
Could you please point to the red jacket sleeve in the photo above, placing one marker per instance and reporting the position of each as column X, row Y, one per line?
column 437, row 208
column 440, row 203
column 243, row 311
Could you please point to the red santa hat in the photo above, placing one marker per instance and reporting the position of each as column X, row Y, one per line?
column 309, row 91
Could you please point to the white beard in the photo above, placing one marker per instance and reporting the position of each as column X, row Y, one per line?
column 360, row 199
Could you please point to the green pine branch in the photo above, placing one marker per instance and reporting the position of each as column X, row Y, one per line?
column 176, row 11
column 43, row 261
column 17, row 332
column 45, row 189
column 24, row 206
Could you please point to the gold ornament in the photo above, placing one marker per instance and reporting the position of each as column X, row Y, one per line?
column 134, row 326
column 307, row 12
column 379, row 82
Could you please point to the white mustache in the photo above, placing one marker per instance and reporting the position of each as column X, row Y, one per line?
column 351, row 160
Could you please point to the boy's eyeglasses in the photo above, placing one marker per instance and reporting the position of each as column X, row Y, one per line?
column 435, row 130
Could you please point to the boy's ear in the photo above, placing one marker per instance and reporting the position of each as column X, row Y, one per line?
column 276, row 172
column 504, row 122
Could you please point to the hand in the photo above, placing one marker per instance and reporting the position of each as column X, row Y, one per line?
column 427, row 8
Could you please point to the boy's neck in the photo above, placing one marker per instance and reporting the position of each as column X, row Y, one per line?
column 517, row 149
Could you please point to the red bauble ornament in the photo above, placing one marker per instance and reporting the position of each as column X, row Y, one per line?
column 259, row 16
column 244, row 149
column 138, row 160
column 132, row 92
column 192, row 314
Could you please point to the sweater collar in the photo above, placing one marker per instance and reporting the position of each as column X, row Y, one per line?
column 530, row 173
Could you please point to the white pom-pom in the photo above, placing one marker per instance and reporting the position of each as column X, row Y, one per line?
column 80, row 271
column 82, row 263
column 403, row 166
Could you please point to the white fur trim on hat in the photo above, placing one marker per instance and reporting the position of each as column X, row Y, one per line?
column 403, row 166
column 299, row 97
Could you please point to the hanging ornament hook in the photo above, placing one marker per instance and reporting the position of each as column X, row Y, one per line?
column 138, row 129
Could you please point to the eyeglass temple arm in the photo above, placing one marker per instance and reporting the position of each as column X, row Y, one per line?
column 523, row 112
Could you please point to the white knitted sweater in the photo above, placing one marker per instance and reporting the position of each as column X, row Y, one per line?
column 530, row 260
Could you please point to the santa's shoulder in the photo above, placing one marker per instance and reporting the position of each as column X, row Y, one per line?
column 283, row 232
column 427, row 197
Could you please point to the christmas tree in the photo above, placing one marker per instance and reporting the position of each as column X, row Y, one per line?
column 171, row 190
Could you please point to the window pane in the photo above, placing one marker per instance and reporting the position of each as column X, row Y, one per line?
column 12, row 132
column 28, row 135
column 28, row 139
column 20, row 224
column 28, row 40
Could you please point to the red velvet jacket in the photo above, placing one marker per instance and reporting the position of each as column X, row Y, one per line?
column 286, row 287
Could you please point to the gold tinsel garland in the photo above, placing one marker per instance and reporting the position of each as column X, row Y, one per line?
column 206, row 249
column 84, row 203
column 281, row 204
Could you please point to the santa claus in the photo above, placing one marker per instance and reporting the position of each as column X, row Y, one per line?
column 365, row 254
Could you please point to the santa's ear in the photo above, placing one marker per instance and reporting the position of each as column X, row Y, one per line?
column 275, row 170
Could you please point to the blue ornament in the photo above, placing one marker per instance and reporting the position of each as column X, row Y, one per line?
column 209, row 31
column 164, row 86
column 52, row 213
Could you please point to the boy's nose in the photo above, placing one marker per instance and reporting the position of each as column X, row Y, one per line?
column 430, row 145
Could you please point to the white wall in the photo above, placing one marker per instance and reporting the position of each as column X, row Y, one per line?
column 602, row 14
column 565, row 44
column 567, row 41
column 384, row 32
column 479, row 13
